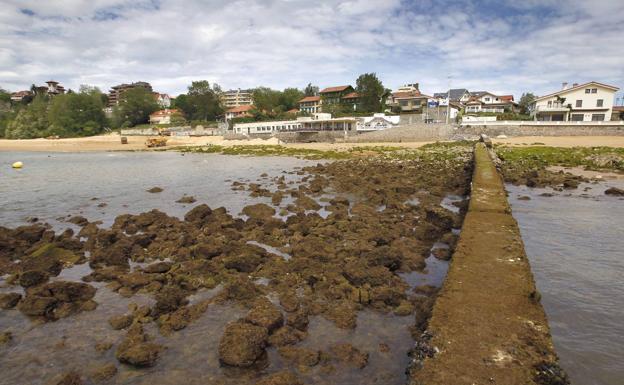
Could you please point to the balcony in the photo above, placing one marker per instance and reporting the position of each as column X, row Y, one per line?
column 555, row 107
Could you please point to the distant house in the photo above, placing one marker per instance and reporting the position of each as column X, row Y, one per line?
column 408, row 99
column 484, row 101
column 457, row 95
column 352, row 99
column 617, row 113
column 239, row 112
column 163, row 100
column 163, row 116
column 333, row 95
column 585, row 102
column 54, row 88
column 310, row 104
column 20, row 95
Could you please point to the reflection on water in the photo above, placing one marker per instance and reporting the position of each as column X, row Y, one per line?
column 574, row 241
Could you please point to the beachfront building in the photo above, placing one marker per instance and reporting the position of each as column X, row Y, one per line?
column 237, row 98
column 585, row 102
column 239, row 112
column 163, row 116
column 377, row 122
column 310, row 104
column 116, row 92
column 484, row 101
column 266, row 128
column 408, row 99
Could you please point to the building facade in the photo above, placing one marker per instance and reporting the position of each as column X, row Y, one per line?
column 456, row 95
column 408, row 99
column 237, row 98
column 116, row 92
column 268, row 128
column 239, row 112
column 586, row 102
column 483, row 101
column 163, row 116
column 334, row 95
column 310, row 104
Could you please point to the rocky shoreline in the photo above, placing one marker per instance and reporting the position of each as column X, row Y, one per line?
column 331, row 246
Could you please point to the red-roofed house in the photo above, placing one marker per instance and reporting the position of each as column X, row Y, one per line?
column 310, row 104
column 163, row 116
column 20, row 95
column 483, row 101
column 239, row 112
column 333, row 95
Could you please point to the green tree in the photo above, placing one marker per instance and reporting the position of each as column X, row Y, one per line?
column 290, row 98
column 311, row 90
column 77, row 114
column 202, row 102
column 31, row 121
column 371, row 92
column 266, row 99
column 134, row 108
column 525, row 102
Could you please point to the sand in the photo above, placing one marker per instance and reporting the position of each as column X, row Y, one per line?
column 112, row 142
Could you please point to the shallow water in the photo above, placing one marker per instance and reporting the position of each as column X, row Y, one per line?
column 54, row 186
column 574, row 241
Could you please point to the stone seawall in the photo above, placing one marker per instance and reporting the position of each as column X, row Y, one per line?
column 487, row 326
column 554, row 130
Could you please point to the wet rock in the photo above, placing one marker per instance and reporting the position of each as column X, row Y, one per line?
column 78, row 220
column 9, row 300
column 48, row 258
column 169, row 299
column 208, row 249
column 524, row 198
column 137, row 350
column 69, row 378
column 135, row 280
column 300, row 356
column 187, row 199
column 154, row 190
column 32, row 278
column 277, row 197
column 349, row 355
column 614, row 191
column 343, row 314
column 259, row 211
column 58, row 299
column 298, row 320
column 307, row 203
column 103, row 373
column 120, row 321
column 571, row 183
column 405, row 308
column 286, row 335
column 103, row 346
column 440, row 217
column 280, row 378
column 242, row 344
column 5, row 338
column 158, row 267
column 265, row 314
column 240, row 289
column 442, row 253
column 198, row 213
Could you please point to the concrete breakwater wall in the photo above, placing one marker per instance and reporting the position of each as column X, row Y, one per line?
column 543, row 130
column 487, row 326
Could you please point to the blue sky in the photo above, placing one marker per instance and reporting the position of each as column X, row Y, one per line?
column 496, row 45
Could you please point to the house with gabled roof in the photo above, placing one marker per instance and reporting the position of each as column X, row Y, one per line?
column 333, row 95
column 484, row 101
column 310, row 104
column 456, row 95
column 591, row 101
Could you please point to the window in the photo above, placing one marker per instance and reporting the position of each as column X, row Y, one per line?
column 579, row 103
column 594, row 90
column 576, row 117
column 587, row 90
column 599, row 102
column 550, row 103
column 487, row 99
column 598, row 117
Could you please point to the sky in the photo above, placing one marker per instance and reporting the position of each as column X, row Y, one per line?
column 505, row 47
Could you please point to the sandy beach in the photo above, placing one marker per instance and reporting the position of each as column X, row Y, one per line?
column 113, row 143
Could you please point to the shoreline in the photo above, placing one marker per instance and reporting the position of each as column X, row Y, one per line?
column 137, row 143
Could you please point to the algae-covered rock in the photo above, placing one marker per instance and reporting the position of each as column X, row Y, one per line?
column 32, row 278
column 137, row 350
column 348, row 354
column 280, row 378
column 242, row 344
column 300, row 356
column 198, row 213
column 120, row 321
column 9, row 300
column 103, row 373
column 259, row 211
column 265, row 314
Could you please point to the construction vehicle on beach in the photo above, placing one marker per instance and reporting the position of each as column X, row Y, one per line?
column 156, row 142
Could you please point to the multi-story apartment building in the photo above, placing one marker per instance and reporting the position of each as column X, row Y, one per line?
column 237, row 98
column 590, row 101
column 334, row 95
column 116, row 92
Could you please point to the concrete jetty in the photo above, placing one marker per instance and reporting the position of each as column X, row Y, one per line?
column 487, row 326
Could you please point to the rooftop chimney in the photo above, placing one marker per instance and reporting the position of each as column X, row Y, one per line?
column 564, row 85
column 575, row 84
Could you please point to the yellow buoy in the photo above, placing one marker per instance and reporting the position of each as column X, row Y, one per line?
column 18, row 165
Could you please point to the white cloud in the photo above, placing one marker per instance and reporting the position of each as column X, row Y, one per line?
column 527, row 46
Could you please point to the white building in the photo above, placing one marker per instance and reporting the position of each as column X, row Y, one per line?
column 586, row 102
column 163, row 116
column 377, row 122
column 236, row 98
column 266, row 127
column 484, row 101
column 163, row 100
